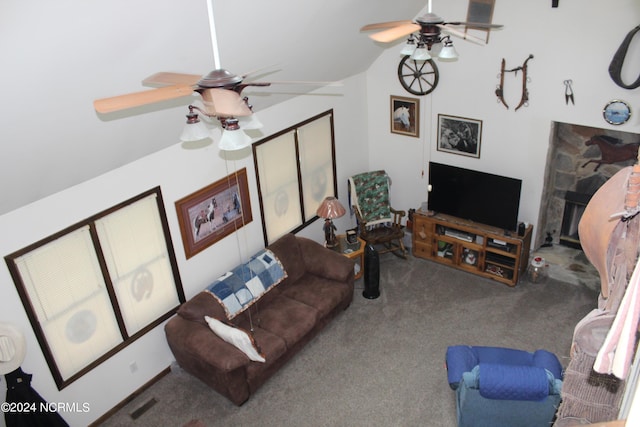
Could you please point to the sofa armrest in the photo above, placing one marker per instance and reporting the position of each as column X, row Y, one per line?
column 326, row 263
column 195, row 344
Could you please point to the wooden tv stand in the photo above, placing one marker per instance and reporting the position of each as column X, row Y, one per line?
column 470, row 246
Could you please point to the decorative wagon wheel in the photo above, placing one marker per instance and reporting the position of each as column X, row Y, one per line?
column 418, row 77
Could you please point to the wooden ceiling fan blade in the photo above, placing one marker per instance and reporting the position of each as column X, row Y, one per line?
column 302, row 82
column 261, row 69
column 475, row 24
column 395, row 33
column 137, row 99
column 462, row 34
column 224, row 103
column 171, row 79
column 384, row 25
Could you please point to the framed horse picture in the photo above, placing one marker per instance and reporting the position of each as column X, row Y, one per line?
column 459, row 135
column 214, row 212
column 405, row 116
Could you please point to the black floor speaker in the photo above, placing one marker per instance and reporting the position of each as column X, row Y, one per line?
column 371, row 273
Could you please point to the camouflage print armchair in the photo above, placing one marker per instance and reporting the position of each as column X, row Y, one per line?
column 378, row 222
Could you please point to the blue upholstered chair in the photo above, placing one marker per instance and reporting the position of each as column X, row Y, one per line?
column 501, row 387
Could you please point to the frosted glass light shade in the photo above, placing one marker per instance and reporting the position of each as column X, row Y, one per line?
column 194, row 132
column 234, row 140
column 408, row 49
column 448, row 52
column 421, row 54
column 250, row 122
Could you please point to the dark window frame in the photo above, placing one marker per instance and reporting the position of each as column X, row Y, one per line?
column 126, row 338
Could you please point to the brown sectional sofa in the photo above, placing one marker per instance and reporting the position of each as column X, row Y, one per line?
column 318, row 286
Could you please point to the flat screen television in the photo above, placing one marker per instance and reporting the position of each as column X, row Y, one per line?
column 472, row 195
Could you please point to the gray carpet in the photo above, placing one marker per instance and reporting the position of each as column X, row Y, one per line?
column 381, row 362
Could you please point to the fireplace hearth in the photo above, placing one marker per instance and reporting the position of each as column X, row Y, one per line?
column 574, row 206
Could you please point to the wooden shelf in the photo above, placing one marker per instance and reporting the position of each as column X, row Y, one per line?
column 477, row 248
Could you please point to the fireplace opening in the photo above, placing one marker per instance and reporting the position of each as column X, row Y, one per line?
column 574, row 206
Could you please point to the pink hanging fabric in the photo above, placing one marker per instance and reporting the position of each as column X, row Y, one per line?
column 617, row 350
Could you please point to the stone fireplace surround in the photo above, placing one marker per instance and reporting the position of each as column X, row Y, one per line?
column 567, row 171
column 572, row 172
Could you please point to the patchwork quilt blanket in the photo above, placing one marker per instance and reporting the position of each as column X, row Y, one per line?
column 241, row 287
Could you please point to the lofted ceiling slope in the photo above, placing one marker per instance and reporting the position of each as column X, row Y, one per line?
column 60, row 56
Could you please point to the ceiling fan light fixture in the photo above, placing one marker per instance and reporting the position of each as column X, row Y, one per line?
column 194, row 130
column 448, row 52
column 409, row 47
column 234, row 139
column 421, row 53
column 250, row 122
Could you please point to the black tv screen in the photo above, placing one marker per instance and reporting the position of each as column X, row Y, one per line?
column 472, row 195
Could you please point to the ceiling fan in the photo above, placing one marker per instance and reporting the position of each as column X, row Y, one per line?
column 220, row 90
column 428, row 27
column 417, row 72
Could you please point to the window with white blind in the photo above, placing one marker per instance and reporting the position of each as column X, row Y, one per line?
column 97, row 286
column 295, row 170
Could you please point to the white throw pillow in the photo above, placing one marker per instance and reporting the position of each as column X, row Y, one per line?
column 236, row 337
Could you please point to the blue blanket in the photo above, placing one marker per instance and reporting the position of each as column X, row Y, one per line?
column 238, row 289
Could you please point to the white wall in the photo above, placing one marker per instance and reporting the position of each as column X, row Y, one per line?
column 574, row 41
column 179, row 171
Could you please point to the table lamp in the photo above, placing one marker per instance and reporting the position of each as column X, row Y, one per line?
column 329, row 209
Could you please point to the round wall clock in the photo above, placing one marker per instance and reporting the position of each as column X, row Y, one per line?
column 616, row 112
column 418, row 77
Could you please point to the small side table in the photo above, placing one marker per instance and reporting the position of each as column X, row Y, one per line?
column 353, row 251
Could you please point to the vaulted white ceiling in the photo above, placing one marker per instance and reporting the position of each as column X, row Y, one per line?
column 57, row 57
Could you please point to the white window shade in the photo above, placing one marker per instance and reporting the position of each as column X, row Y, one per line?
column 316, row 163
column 70, row 300
column 136, row 255
column 277, row 172
column 98, row 285
column 296, row 171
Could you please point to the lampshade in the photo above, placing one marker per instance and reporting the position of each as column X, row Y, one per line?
column 194, row 131
column 421, row 53
column 448, row 52
column 234, row 140
column 330, row 208
column 409, row 47
column 250, row 122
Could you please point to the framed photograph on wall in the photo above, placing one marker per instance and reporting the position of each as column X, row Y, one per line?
column 459, row 135
column 214, row 212
column 405, row 116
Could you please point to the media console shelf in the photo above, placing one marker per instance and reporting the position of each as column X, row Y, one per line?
column 477, row 248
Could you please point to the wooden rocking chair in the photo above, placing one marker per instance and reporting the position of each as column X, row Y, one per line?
column 378, row 222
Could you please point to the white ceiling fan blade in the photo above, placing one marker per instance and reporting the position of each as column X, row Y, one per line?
column 395, row 33
column 137, row 99
column 170, row 79
column 462, row 34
